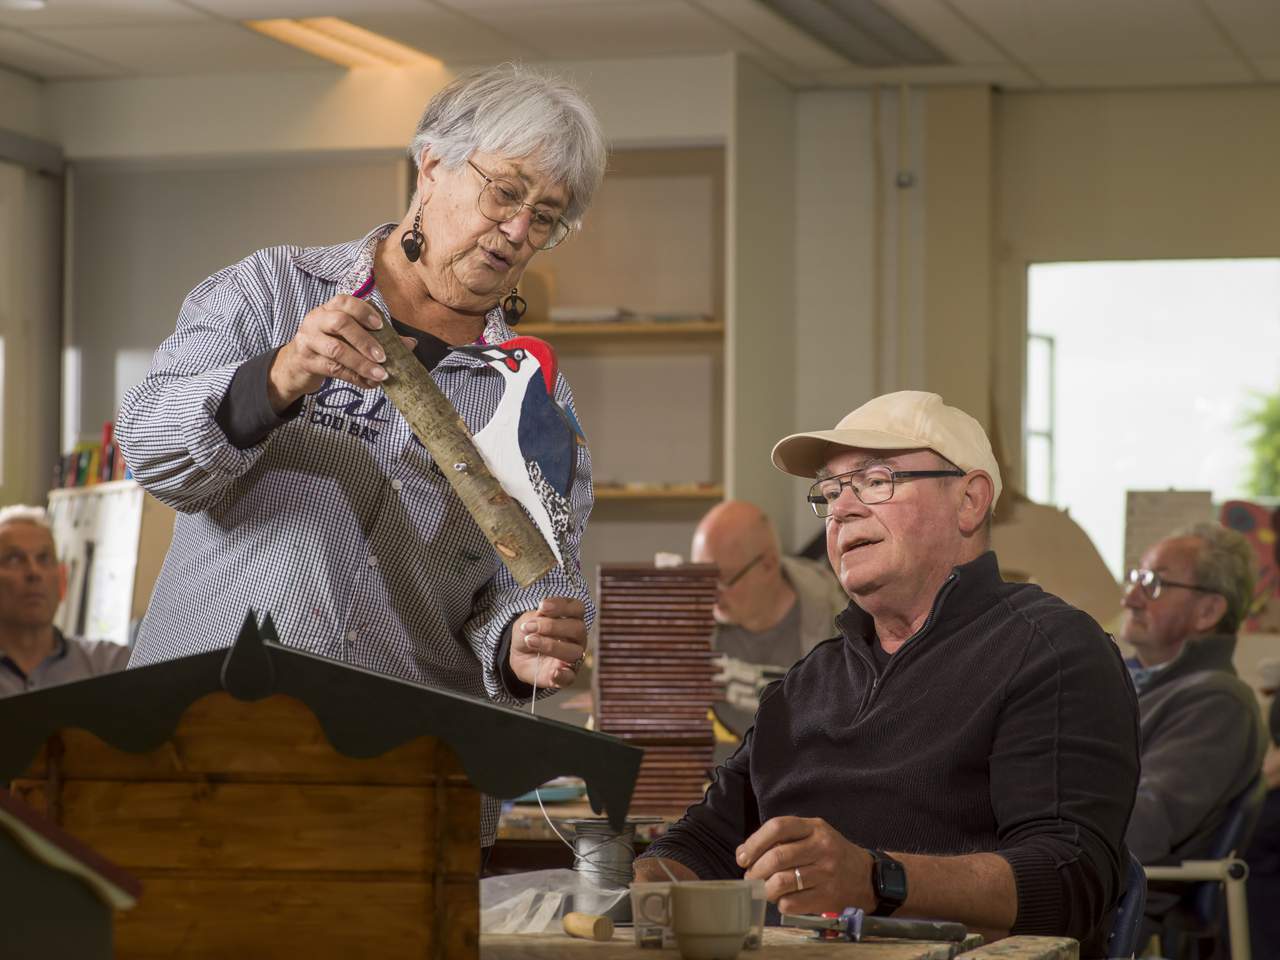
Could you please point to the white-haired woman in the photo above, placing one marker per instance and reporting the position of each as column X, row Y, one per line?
column 301, row 491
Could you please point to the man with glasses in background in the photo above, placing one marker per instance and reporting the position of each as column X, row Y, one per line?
column 1203, row 738
column 966, row 749
column 770, row 609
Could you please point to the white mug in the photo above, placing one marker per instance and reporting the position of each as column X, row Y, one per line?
column 710, row 918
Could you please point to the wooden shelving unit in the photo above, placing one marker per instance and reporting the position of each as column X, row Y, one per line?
column 683, row 491
column 649, row 330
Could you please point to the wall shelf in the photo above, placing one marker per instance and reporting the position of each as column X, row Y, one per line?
column 660, row 491
column 649, row 330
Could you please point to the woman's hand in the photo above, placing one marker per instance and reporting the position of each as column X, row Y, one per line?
column 333, row 341
column 557, row 632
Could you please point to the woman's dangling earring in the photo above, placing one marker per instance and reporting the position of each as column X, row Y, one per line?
column 514, row 306
column 412, row 241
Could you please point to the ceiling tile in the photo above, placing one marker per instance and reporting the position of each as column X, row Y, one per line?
column 270, row 9
column 1144, row 73
column 938, row 22
column 184, row 49
column 85, row 13
column 611, row 28
column 773, row 33
column 1112, row 31
column 445, row 35
column 1254, row 25
column 47, row 61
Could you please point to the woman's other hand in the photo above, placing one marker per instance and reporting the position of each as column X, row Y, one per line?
column 555, row 631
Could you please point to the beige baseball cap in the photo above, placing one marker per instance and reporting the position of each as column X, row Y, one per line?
column 906, row 420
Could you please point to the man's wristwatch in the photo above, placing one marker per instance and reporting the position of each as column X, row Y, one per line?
column 888, row 883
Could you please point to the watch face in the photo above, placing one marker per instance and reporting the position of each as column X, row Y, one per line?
column 891, row 880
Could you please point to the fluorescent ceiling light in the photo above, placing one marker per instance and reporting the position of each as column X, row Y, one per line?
column 342, row 42
column 22, row 4
column 862, row 31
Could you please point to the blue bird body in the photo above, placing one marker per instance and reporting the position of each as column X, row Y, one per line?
column 530, row 444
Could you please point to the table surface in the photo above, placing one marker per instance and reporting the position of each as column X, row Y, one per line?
column 778, row 943
column 525, row 821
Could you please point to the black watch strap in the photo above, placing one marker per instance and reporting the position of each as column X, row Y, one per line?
column 888, row 883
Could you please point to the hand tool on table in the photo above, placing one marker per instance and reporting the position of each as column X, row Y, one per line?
column 853, row 924
column 436, row 423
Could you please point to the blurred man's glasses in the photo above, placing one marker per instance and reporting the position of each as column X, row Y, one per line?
column 502, row 200
column 871, row 485
column 1151, row 583
column 726, row 584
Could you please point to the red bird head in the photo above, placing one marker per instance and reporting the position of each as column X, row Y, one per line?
column 539, row 350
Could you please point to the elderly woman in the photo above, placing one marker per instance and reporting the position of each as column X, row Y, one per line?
column 301, row 490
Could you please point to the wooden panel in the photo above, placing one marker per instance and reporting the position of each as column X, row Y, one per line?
column 254, row 838
column 232, row 826
column 249, row 918
column 273, row 739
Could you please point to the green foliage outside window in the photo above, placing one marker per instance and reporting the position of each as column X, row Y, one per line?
column 1264, row 472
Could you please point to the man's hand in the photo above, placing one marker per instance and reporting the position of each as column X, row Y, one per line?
column 333, row 341
column 555, row 630
column 834, row 873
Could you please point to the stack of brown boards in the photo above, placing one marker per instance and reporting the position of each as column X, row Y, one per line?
column 654, row 677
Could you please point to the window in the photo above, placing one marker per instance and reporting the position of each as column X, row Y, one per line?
column 1139, row 377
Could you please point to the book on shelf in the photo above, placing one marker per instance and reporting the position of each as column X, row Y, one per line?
column 91, row 463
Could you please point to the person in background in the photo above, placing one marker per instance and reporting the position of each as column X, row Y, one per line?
column 1263, row 855
column 966, row 749
column 33, row 652
column 1202, row 731
column 770, row 610
column 301, row 490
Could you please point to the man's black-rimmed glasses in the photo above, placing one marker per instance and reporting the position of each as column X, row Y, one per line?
column 871, row 485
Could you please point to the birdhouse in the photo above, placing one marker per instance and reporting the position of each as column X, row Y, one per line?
column 274, row 803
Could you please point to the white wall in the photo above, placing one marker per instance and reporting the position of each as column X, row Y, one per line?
column 30, row 314
column 25, row 107
column 145, row 233
column 651, row 102
column 835, row 269
column 760, row 284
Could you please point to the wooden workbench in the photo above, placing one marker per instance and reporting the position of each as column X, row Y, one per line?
column 779, row 944
column 525, row 821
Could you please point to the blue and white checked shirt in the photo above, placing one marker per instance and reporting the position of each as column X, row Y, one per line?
column 338, row 523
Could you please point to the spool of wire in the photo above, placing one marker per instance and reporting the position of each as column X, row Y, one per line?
column 602, row 855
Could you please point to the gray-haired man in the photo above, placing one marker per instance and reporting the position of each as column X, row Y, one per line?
column 33, row 652
column 1202, row 733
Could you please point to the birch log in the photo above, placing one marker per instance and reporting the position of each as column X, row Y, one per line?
column 436, row 423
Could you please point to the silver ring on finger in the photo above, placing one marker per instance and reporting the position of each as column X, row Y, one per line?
column 577, row 664
column 799, row 881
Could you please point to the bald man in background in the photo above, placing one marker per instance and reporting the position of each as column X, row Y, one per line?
column 770, row 610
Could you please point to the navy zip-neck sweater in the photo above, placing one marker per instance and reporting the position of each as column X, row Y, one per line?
column 1007, row 723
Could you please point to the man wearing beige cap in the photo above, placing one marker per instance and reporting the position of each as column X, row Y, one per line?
column 966, row 750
